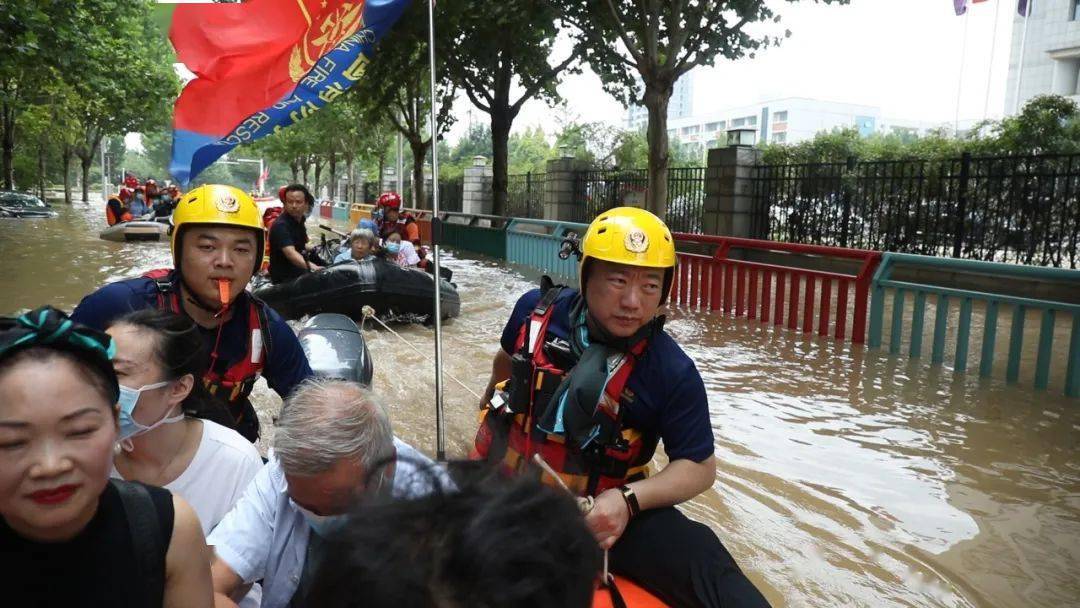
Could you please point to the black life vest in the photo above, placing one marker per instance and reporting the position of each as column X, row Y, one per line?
column 508, row 432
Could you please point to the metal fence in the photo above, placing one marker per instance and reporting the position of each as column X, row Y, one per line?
column 525, row 195
column 1023, row 209
column 599, row 191
column 451, row 193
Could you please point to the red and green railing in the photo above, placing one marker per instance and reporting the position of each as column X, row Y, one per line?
column 780, row 292
column 830, row 292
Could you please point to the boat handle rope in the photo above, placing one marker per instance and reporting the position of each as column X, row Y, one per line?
column 585, row 503
column 369, row 312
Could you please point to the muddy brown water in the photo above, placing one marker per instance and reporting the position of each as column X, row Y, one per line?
column 845, row 477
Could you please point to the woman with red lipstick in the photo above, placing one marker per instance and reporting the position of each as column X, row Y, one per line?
column 69, row 536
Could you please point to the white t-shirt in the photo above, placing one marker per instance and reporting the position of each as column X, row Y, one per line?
column 223, row 465
column 407, row 255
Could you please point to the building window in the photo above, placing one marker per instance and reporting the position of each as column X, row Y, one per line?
column 738, row 122
column 782, row 116
column 1075, row 11
column 712, row 126
column 779, row 138
column 751, row 120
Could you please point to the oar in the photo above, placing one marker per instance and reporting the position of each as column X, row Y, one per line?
column 343, row 235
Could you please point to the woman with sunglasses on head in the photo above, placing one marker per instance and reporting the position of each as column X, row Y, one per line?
column 68, row 535
column 172, row 434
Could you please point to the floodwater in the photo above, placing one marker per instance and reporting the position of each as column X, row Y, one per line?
column 845, row 477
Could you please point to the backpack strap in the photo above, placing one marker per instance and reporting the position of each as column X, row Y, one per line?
column 145, row 529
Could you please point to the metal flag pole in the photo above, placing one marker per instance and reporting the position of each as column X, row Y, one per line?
column 436, row 235
column 960, row 79
column 990, row 70
column 1020, row 59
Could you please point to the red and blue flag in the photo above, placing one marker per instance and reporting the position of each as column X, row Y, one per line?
column 263, row 65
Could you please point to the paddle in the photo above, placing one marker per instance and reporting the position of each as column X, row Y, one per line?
column 343, row 235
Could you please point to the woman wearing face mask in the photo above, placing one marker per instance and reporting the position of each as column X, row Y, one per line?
column 68, row 535
column 168, row 433
column 400, row 252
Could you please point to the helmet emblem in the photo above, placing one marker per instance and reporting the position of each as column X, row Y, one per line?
column 227, row 203
column 636, row 241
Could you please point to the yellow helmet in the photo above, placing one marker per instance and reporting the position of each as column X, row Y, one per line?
column 217, row 205
column 627, row 235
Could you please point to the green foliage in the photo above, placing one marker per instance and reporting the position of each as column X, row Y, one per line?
column 1048, row 124
column 500, row 54
column 641, row 48
column 529, row 152
column 66, row 55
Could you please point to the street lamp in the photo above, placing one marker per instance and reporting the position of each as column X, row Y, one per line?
column 237, row 161
column 741, row 137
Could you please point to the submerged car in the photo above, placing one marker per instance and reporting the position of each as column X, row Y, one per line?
column 22, row 205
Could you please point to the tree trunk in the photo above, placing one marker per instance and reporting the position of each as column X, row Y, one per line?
column 501, row 122
column 294, row 166
column 318, row 174
column 304, row 170
column 350, row 189
column 419, row 152
column 7, row 127
column 382, row 169
column 85, row 162
column 65, row 157
column 41, row 167
column 332, row 161
column 657, row 96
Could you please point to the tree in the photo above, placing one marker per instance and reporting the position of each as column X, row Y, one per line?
column 40, row 41
column 499, row 49
column 396, row 87
column 529, row 151
column 124, row 84
column 1047, row 124
column 640, row 48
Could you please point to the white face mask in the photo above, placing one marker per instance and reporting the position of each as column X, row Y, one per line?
column 129, row 427
column 323, row 525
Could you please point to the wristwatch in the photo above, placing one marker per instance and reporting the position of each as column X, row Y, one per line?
column 631, row 500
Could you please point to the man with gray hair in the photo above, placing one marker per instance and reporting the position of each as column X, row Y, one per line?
column 332, row 444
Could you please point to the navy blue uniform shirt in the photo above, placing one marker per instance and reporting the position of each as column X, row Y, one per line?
column 669, row 395
column 285, row 367
column 286, row 232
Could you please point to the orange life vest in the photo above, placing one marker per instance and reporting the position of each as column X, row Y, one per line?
column 509, row 435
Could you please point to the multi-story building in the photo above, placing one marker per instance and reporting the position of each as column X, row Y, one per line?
column 681, row 104
column 1045, row 54
column 789, row 120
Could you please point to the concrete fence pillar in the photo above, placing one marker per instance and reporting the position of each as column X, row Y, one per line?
column 476, row 196
column 729, row 190
column 559, row 199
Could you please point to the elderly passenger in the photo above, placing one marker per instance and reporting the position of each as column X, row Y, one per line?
column 359, row 246
column 330, row 436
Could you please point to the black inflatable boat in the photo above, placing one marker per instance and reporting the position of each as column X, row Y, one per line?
column 345, row 288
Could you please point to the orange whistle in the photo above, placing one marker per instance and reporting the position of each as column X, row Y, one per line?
column 223, row 291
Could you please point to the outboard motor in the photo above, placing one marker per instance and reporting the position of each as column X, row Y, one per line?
column 335, row 348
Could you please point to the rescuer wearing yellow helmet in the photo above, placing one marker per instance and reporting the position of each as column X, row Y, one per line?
column 588, row 380
column 217, row 246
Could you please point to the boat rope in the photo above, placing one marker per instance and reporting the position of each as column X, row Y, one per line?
column 585, row 503
column 369, row 312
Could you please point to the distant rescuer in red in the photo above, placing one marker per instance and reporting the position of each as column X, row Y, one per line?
column 589, row 380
